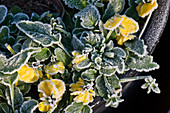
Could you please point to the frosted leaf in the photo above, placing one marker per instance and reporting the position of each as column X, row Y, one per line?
column 78, row 4
column 89, row 16
column 18, row 17
column 29, row 106
column 137, row 46
column 13, row 64
column 114, row 6
column 142, row 64
column 3, row 13
column 39, row 32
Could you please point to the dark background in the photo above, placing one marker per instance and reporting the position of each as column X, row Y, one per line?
column 137, row 99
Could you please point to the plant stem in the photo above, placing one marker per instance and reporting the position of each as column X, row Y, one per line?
column 133, row 78
column 11, row 87
column 108, row 35
column 63, row 31
column 145, row 25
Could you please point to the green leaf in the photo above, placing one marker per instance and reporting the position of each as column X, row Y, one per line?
column 39, row 32
column 119, row 52
column 7, row 77
column 62, row 56
column 101, row 87
column 84, row 64
column 15, row 9
column 43, row 55
column 29, row 43
column 107, row 72
column 78, row 108
column 13, row 64
column 114, row 6
column 3, row 13
column 91, row 38
column 18, row 17
column 137, row 46
column 35, row 17
column 24, row 87
column 112, row 83
column 18, row 97
column 28, row 106
column 78, row 4
column 89, row 75
column 145, row 64
column 131, row 11
column 76, row 43
column 5, row 108
column 89, row 16
column 4, row 32
column 2, row 95
column 116, row 62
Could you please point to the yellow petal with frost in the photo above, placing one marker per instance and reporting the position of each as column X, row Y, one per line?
column 145, row 9
column 77, row 86
column 128, row 26
column 60, row 85
column 84, row 97
column 54, row 68
column 47, row 87
column 122, row 39
column 29, row 75
column 113, row 22
column 75, row 53
column 44, row 108
column 79, row 59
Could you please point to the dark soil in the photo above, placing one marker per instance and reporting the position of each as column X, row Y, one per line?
column 29, row 6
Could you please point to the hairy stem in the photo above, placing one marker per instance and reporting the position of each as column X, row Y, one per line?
column 133, row 78
column 11, row 87
column 145, row 25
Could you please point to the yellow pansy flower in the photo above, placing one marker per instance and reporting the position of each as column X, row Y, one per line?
column 51, row 92
column 77, row 86
column 113, row 22
column 84, row 92
column 122, row 39
column 125, row 25
column 29, row 75
column 86, row 97
column 54, row 68
column 145, row 8
column 44, row 108
column 128, row 26
column 78, row 58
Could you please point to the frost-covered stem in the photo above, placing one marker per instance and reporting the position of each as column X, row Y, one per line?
column 145, row 25
column 63, row 31
column 11, row 87
column 133, row 78
column 108, row 35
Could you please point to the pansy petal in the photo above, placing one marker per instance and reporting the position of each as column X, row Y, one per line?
column 75, row 53
column 77, row 86
column 47, row 87
column 113, row 22
column 145, row 9
column 44, row 108
column 60, row 85
column 79, row 59
column 121, row 39
column 54, row 68
column 128, row 26
column 84, row 97
column 27, row 74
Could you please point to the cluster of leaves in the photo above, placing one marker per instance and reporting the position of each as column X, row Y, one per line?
column 37, row 39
